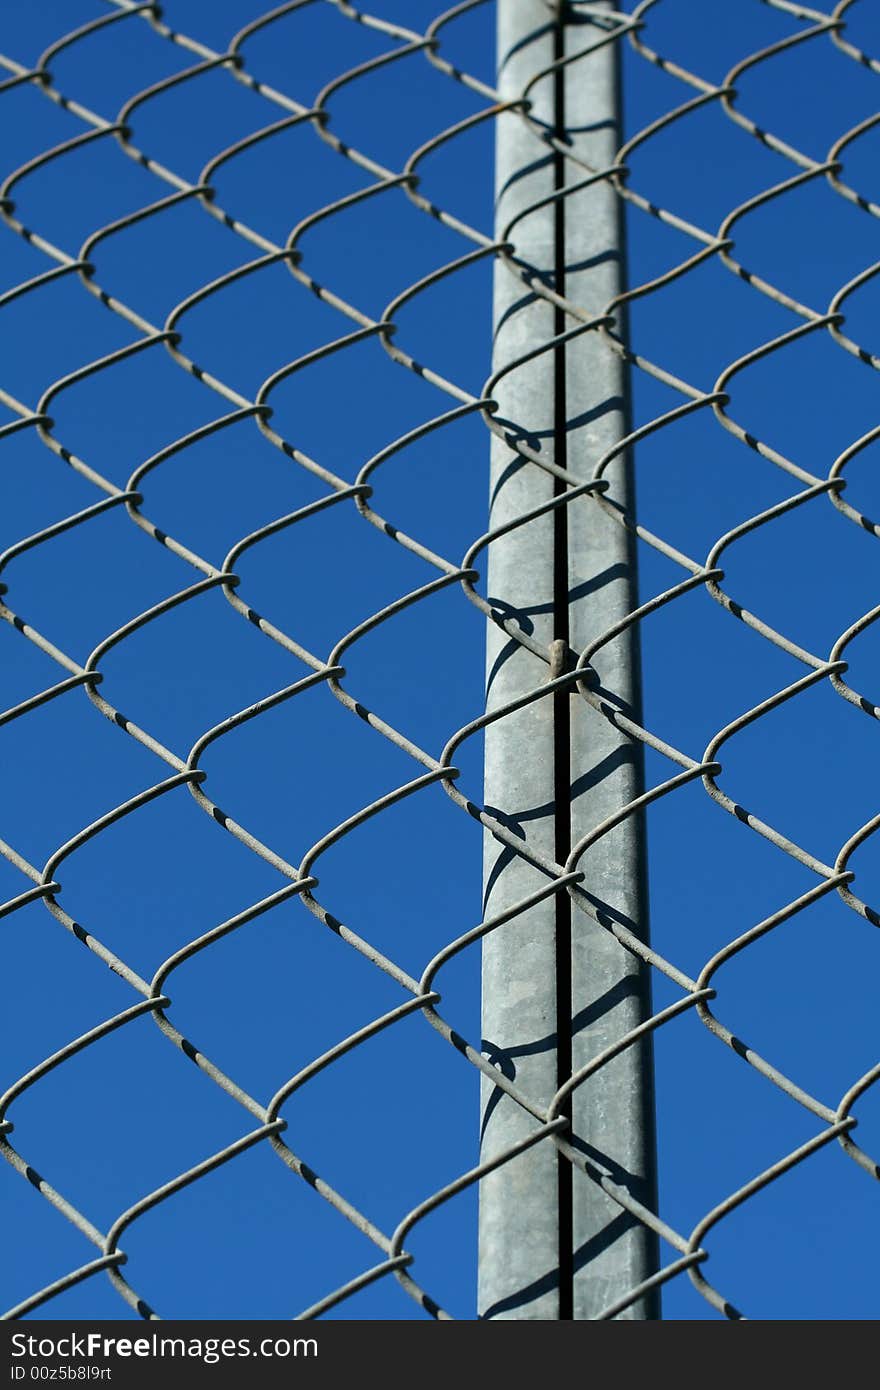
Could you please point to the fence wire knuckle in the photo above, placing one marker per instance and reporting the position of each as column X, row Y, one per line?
column 180, row 772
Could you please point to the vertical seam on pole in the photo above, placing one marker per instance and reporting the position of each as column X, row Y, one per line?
column 561, row 712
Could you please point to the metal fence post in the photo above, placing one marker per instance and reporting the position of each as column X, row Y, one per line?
column 558, row 988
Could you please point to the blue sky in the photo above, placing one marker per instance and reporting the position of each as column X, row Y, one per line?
column 397, row 1118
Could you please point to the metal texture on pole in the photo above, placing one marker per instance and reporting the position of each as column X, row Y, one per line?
column 558, row 988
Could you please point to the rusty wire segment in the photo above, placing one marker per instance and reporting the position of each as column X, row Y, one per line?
column 834, row 1117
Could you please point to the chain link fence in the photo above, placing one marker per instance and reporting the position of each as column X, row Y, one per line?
column 361, row 219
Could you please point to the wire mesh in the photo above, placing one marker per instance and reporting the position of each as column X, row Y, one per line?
column 692, row 984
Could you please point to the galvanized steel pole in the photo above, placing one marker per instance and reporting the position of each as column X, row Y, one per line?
column 558, row 987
